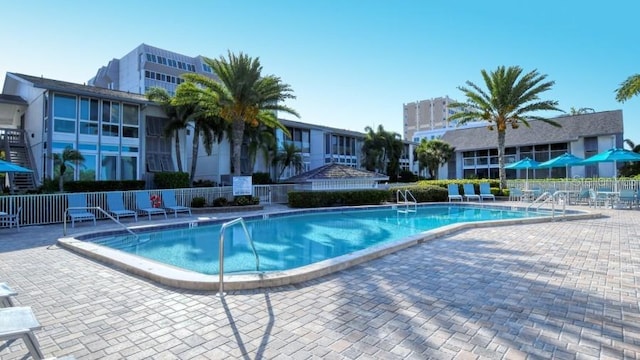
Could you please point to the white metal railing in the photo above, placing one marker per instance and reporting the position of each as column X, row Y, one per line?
column 408, row 200
column 66, row 212
column 221, row 251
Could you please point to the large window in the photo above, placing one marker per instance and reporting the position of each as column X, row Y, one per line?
column 130, row 121
column 89, row 116
column 110, row 118
column 64, row 113
column 158, row 152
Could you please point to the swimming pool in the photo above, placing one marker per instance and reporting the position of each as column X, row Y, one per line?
column 304, row 242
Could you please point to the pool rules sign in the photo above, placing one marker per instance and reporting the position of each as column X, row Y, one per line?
column 242, row 185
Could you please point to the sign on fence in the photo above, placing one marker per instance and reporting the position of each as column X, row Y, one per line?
column 242, row 185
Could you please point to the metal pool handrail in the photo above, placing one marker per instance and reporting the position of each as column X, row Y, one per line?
column 221, row 250
column 64, row 227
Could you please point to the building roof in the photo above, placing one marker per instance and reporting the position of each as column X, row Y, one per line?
column 573, row 127
column 79, row 89
column 336, row 172
column 12, row 99
column 303, row 125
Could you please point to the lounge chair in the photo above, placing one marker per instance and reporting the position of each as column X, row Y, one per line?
column 77, row 209
column 143, row 202
column 470, row 192
column 454, row 192
column 515, row 194
column 169, row 202
column 19, row 323
column 116, row 206
column 627, row 196
column 10, row 220
column 5, row 295
column 485, row 192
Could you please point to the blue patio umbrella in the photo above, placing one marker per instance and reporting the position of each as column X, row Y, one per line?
column 525, row 164
column 7, row 167
column 614, row 156
column 565, row 160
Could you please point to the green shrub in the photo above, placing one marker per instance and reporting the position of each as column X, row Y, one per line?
column 429, row 193
column 97, row 186
column 245, row 200
column 204, row 183
column 261, row 178
column 171, row 180
column 221, row 201
column 198, row 202
column 311, row 199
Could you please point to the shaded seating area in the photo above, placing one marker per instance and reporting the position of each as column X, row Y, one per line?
column 77, row 209
column 454, row 192
column 117, row 208
column 145, row 205
column 485, row 192
column 169, row 203
column 11, row 219
column 470, row 192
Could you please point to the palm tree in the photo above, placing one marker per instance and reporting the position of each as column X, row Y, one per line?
column 579, row 111
column 288, row 156
column 511, row 98
column 382, row 151
column 433, row 154
column 244, row 96
column 633, row 168
column 260, row 139
column 179, row 116
column 204, row 117
column 629, row 88
column 69, row 158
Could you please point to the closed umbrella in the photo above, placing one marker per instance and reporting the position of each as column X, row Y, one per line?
column 565, row 160
column 614, row 156
column 525, row 164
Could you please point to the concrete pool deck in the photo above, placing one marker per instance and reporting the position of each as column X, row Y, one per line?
column 566, row 289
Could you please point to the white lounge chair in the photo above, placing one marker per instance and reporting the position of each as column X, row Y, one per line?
column 11, row 220
column 77, row 209
column 6, row 293
column 19, row 323
column 485, row 192
column 169, row 203
column 470, row 192
column 143, row 202
column 116, row 206
column 454, row 192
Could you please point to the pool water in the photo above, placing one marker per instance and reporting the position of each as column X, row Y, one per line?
column 292, row 241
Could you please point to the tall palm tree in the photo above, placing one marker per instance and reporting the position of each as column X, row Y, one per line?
column 629, row 88
column 245, row 96
column 512, row 98
column 204, row 117
column 433, row 154
column 69, row 158
column 288, row 156
column 179, row 117
column 382, row 151
column 260, row 139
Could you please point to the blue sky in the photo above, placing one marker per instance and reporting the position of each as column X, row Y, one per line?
column 351, row 63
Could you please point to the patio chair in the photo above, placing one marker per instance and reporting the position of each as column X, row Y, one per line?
column 454, row 192
column 169, row 202
column 10, row 220
column 77, row 209
column 5, row 295
column 19, row 323
column 596, row 199
column 116, row 206
column 583, row 197
column 470, row 192
column 627, row 196
column 485, row 192
column 515, row 194
column 144, row 204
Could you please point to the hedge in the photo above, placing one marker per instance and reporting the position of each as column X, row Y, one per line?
column 106, row 185
column 312, row 199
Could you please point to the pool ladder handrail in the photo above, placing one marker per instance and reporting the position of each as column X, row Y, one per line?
column 547, row 197
column 221, row 251
column 406, row 194
column 64, row 227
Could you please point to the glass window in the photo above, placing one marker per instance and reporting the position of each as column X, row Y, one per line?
column 64, row 106
column 108, row 167
column 128, row 168
column 88, row 171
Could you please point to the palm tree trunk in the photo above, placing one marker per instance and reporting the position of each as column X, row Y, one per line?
column 237, row 128
column 194, row 154
column 502, row 173
column 178, row 157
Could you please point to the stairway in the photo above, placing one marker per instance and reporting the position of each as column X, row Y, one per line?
column 16, row 151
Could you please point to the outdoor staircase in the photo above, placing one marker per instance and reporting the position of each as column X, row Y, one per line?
column 14, row 144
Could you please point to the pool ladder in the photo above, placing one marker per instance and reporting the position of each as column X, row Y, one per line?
column 221, row 250
column 408, row 200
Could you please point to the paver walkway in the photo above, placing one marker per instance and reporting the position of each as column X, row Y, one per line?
column 559, row 290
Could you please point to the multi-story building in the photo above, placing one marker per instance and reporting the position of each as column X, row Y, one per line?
column 146, row 67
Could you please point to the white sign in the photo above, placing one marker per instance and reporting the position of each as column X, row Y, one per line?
column 242, row 185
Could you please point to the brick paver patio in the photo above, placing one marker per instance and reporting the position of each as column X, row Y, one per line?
column 566, row 290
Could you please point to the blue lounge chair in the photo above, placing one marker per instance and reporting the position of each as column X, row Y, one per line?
column 485, row 192
column 78, row 209
column 627, row 196
column 116, row 206
column 454, row 192
column 515, row 194
column 19, row 323
column 470, row 192
column 143, row 202
column 169, row 202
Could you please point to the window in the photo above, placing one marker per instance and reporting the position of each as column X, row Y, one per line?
column 128, row 168
column 130, row 121
column 64, row 113
column 89, row 116
column 110, row 118
column 108, row 167
column 158, row 151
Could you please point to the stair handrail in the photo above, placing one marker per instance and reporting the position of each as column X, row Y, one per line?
column 221, row 251
column 66, row 211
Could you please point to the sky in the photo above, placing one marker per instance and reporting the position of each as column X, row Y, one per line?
column 350, row 63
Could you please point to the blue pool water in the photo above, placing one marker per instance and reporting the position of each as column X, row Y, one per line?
column 292, row 241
